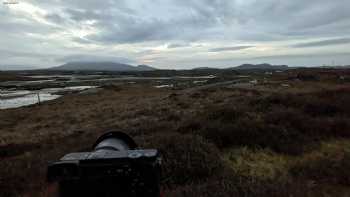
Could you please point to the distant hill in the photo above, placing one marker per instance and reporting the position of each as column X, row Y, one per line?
column 204, row 68
column 260, row 67
column 101, row 66
column 345, row 66
column 145, row 67
column 336, row 67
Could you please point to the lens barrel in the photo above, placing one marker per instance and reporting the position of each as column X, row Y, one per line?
column 116, row 141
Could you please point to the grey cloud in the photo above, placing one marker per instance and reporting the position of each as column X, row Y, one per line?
column 234, row 48
column 9, row 53
column 286, row 19
column 16, row 60
column 289, row 56
column 323, row 43
column 16, row 67
column 81, row 4
column 82, row 15
column 90, row 57
column 81, row 40
column 323, row 13
column 55, row 18
column 146, row 24
column 135, row 31
column 148, row 52
column 138, row 30
column 11, row 26
column 190, row 20
column 132, row 27
column 177, row 45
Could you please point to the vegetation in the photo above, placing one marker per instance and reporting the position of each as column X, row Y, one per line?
column 261, row 140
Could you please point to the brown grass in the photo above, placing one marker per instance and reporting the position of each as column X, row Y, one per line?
column 222, row 141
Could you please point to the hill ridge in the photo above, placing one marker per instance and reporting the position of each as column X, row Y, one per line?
column 101, row 66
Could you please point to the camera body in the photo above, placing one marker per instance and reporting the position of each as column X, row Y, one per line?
column 114, row 168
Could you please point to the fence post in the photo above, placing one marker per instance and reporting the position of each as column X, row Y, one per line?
column 38, row 94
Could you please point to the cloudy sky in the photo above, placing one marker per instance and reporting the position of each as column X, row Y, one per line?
column 174, row 33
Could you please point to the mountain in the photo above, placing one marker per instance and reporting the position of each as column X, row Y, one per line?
column 203, row 68
column 260, row 67
column 145, row 67
column 102, row 66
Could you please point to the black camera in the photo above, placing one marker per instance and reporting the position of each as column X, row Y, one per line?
column 115, row 168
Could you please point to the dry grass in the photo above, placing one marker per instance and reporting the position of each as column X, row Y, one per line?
column 220, row 141
column 264, row 165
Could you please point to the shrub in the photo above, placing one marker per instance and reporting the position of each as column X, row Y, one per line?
column 330, row 164
column 231, row 185
column 259, row 164
column 219, row 187
column 224, row 113
column 240, row 132
column 190, row 125
column 186, row 158
column 252, row 131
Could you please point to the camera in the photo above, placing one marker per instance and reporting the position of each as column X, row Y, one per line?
column 115, row 168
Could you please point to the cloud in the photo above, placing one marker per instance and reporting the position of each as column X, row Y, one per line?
column 177, row 45
column 94, row 58
column 55, row 18
column 321, row 43
column 79, row 15
column 17, row 67
column 234, row 48
column 11, row 53
column 133, row 31
column 125, row 28
column 81, row 40
column 191, row 20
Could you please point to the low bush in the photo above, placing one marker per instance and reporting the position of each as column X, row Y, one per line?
column 259, row 164
column 251, row 129
column 234, row 186
column 186, row 158
column 330, row 164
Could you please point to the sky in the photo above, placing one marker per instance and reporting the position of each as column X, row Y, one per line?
column 174, row 34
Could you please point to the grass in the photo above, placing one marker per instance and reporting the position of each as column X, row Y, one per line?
column 186, row 158
column 322, row 172
column 221, row 141
column 329, row 164
column 258, row 164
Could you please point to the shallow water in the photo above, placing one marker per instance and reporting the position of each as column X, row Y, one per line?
column 19, row 98
column 28, row 99
column 164, row 86
column 10, row 94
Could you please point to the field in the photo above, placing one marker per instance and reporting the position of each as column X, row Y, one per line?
column 281, row 134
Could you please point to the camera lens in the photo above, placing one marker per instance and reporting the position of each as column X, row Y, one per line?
column 134, row 155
